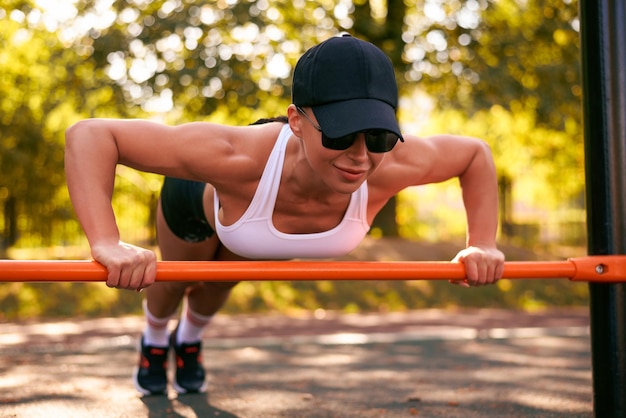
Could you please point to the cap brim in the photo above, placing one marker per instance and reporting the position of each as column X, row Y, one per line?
column 348, row 116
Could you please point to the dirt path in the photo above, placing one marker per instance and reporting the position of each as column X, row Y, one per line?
column 429, row 363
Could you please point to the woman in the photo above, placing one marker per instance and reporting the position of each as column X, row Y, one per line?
column 306, row 188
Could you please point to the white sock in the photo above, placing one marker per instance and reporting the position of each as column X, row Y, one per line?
column 155, row 332
column 191, row 325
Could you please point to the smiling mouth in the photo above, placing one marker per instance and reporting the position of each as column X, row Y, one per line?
column 351, row 174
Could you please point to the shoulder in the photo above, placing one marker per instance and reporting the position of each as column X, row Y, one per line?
column 424, row 160
column 406, row 164
column 202, row 151
column 228, row 134
column 225, row 153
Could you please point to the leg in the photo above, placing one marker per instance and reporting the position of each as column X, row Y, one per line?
column 163, row 298
column 207, row 298
column 183, row 234
column 160, row 304
column 204, row 299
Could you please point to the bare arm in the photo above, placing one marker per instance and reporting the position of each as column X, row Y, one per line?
column 91, row 156
column 484, row 263
column 94, row 148
column 439, row 158
column 480, row 196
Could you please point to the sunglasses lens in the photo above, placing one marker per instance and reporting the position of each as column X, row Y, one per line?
column 380, row 141
column 341, row 143
column 376, row 141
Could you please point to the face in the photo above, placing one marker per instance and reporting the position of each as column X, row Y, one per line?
column 342, row 170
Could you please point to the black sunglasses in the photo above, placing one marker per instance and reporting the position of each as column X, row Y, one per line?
column 376, row 140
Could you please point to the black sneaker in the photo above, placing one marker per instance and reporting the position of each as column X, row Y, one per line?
column 189, row 377
column 150, row 376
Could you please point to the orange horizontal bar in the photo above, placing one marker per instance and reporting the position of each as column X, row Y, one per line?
column 592, row 268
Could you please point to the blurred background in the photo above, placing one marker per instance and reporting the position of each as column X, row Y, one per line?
column 507, row 71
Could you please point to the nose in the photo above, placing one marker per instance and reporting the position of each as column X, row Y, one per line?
column 358, row 150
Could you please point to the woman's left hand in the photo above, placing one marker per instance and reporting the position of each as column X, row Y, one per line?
column 483, row 266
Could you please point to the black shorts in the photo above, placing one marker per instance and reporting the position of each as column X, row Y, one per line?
column 181, row 201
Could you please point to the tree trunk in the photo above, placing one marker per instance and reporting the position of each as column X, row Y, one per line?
column 9, row 235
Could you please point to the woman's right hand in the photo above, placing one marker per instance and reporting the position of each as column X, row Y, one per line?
column 129, row 267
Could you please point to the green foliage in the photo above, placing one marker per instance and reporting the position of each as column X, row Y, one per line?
column 36, row 300
column 41, row 94
column 472, row 55
column 231, row 62
column 432, row 213
column 505, row 70
column 30, row 155
column 547, row 165
column 509, row 72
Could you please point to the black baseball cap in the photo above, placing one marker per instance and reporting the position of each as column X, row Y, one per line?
column 349, row 84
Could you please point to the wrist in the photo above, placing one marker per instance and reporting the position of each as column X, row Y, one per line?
column 104, row 242
column 486, row 244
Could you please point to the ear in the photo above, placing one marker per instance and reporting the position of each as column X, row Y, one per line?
column 293, row 117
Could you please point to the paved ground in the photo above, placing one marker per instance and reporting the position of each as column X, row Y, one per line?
column 428, row 363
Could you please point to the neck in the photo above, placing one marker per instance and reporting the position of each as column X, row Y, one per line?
column 301, row 179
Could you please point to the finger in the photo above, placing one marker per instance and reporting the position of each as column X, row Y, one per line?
column 135, row 280
column 145, row 272
column 125, row 277
column 482, row 273
column 489, row 277
column 136, row 274
column 113, row 278
column 471, row 272
column 499, row 271
column 492, row 271
column 149, row 276
column 129, row 271
column 491, row 274
column 148, row 271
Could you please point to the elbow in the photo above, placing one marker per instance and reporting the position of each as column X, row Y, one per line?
column 483, row 153
column 74, row 140
column 480, row 162
column 76, row 131
column 90, row 137
column 483, row 147
column 88, row 131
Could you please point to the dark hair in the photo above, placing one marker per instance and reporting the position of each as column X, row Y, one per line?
column 282, row 119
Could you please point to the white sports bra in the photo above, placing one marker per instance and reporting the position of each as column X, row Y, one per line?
column 254, row 235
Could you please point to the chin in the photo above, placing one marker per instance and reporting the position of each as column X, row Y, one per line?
column 347, row 187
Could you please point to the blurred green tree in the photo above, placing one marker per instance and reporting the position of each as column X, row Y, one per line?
column 30, row 102
column 475, row 54
column 483, row 57
column 505, row 70
column 231, row 61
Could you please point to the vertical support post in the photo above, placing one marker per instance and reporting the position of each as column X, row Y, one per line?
column 603, row 40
